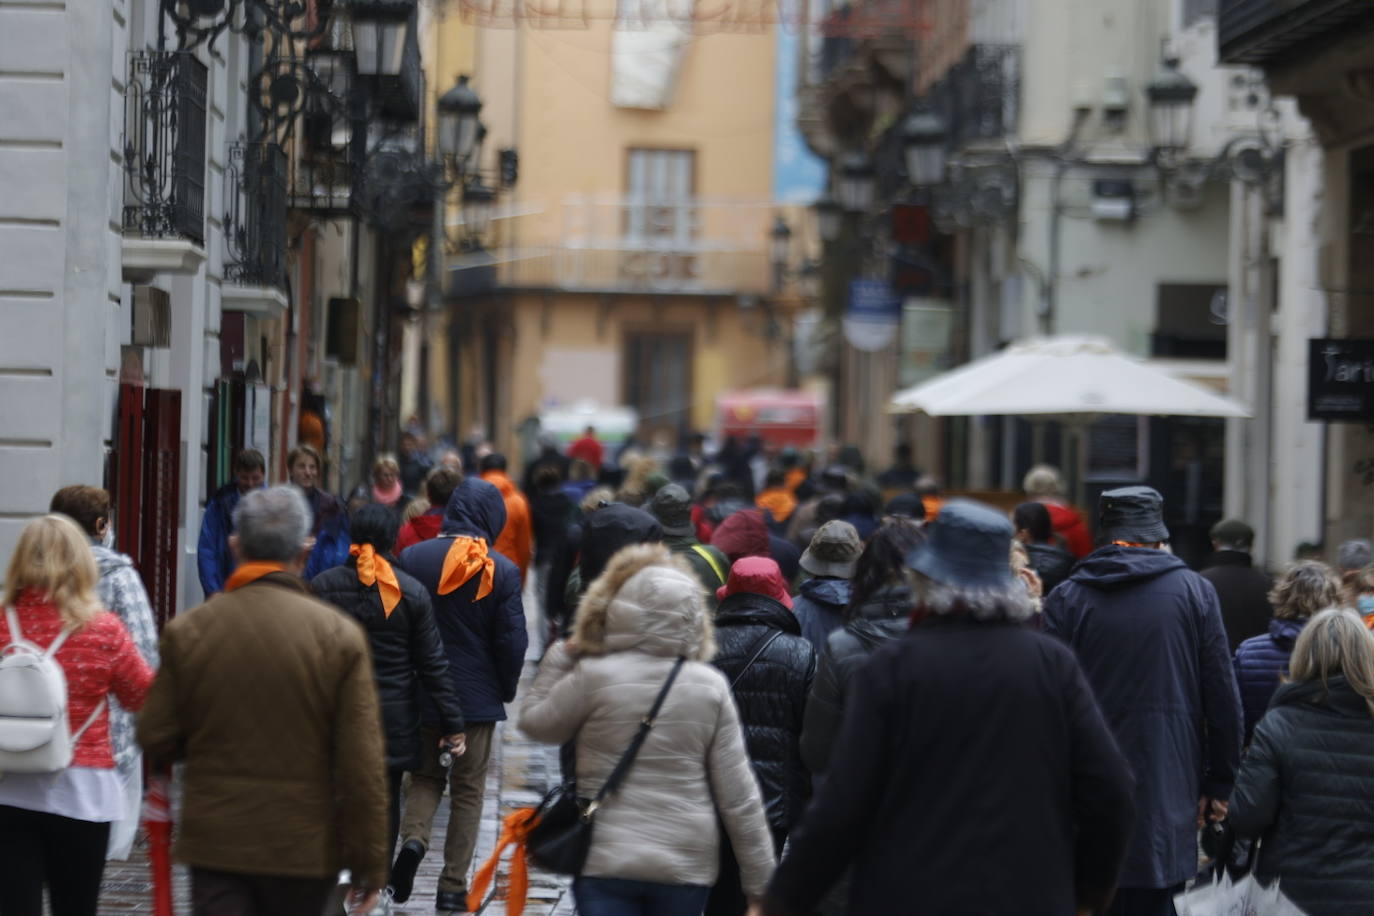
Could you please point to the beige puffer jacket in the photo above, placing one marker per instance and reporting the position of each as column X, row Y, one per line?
column 636, row 619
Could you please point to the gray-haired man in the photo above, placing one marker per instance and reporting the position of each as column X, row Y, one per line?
column 268, row 696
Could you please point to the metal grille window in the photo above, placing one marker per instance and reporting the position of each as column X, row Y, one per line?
column 164, row 146
column 255, row 224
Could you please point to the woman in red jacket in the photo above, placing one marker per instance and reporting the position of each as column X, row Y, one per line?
column 54, row 826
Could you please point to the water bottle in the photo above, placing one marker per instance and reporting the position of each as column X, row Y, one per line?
column 446, row 757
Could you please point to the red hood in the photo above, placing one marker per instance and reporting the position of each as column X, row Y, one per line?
column 743, row 534
column 1069, row 524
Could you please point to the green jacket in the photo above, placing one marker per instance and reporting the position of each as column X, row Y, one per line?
column 710, row 565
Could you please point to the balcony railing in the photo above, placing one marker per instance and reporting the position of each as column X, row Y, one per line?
column 980, row 95
column 621, row 245
column 255, row 224
column 164, row 146
column 1260, row 31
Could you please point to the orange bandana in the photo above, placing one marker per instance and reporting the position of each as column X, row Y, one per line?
column 515, row 832
column 465, row 558
column 779, row 501
column 375, row 569
column 251, row 572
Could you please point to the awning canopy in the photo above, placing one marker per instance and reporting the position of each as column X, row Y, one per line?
column 1065, row 376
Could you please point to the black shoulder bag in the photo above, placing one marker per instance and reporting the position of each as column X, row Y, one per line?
column 562, row 834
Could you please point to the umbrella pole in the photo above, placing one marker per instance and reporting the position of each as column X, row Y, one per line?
column 157, row 821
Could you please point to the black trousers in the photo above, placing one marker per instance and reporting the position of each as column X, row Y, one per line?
column 218, row 893
column 727, row 897
column 1144, row 901
column 38, row 849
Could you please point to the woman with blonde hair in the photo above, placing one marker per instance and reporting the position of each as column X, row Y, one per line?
column 1306, row 787
column 54, row 827
column 642, row 632
column 1262, row 661
column 386, row 483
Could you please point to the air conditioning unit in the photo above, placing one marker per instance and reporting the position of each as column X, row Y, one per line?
column 1113, row 200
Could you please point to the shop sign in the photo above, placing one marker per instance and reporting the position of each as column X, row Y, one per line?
column 1340, row 379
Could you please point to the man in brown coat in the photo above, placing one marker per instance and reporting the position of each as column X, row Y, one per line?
column 267, row 695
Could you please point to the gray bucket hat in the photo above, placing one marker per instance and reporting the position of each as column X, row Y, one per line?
column 834, row 551
column 969, row 546
column 1134, row 514
column 672, row 506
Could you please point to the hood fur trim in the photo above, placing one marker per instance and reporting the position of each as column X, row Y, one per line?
column 589, row 625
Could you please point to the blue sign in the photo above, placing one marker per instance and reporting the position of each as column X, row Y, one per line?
column 873, row 300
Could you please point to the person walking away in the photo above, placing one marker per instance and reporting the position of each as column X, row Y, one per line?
column 329, row 521
column 877, row 612
column 903, row 473
column 214, row 559
column 1051, row 562
column 588, row 449
column 550, row 456
column 414, row 464
column 1043, row 484
column 777, row 499
column 1261, row 662
column 407, row 654
column 481, row 618
column 1242, row 590
column 262, row 776
column 516, row 542
column 802, row 525
column 120, row 589
column 439, row 486
column 1148, row 633
column 55, row 826
column 830, row 560
column 770, row 667
column 744, row 533
column 655, row 849
column 1306, row 786
column 672, row 507
column 551, row 514
column 973, row 773
column 605, row 532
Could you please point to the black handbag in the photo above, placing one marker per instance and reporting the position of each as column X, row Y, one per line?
column 562, row 834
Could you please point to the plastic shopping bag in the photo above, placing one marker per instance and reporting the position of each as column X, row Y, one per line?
column 1246, row 897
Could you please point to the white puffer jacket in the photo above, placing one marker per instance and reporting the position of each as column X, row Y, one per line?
column 633, row 623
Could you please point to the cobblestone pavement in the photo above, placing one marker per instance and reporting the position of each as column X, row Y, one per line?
column 519, row 775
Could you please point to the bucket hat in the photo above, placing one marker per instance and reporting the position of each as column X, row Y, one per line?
column 969, row 546
column 834, row 551
column 1134, row 514
column 673, row 508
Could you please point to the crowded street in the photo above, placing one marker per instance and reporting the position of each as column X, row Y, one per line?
column 637, row 458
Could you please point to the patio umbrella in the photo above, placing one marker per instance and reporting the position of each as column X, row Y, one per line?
column 1072, row 377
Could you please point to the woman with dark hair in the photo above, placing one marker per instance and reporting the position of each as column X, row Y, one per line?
column 394, row 609
column 1051, row 562
column 878, row 609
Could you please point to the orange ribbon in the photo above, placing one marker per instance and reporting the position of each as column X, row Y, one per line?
column 251, row 572
column 515, row 831
column 467, row 557
column 374, row 568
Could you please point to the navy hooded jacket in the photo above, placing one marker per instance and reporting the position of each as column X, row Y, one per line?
column 1148, row 633
column 485, row 639
column 1261, row 662
column 819, row 608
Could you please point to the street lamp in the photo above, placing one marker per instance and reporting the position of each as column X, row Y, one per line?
column 856, row 183
column 780, row 246
column 477, row 205
column 923, row 144
column 1171, row 95
column 458, row 111
column 827, row 217
column 379, row 35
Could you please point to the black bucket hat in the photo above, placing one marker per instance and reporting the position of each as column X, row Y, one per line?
column 1134, row 514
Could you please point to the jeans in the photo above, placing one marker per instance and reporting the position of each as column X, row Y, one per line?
column 65, row 854
column 621, row 897
column 467, row 783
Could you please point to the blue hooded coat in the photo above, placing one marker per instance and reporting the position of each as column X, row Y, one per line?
column 485, row 639
column 214, row 559
column 819, row 608
column 1148, row 633
column 1261, row 662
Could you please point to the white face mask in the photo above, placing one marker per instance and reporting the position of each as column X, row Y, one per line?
column 107, row 540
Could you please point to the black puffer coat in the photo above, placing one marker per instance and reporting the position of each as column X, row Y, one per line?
column 1307, row 786
column 406, row 652
column 771, row 697
column 879, row 619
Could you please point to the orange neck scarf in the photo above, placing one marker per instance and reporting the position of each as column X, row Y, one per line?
column 515, row 832
column 373, row 568
column 467, row 557
column 251, row 572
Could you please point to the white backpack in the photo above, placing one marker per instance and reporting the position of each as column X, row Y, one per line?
column 34, row 733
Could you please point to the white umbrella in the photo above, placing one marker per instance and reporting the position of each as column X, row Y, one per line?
column 1061, row 376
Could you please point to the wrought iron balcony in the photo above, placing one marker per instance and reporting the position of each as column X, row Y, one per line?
column 1264, row 31
column 255, row 221
column 624, row 245
column 980, row 95
column 164, row 146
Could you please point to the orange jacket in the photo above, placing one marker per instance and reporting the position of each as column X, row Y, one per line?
column 779, row 501
column 516, row 542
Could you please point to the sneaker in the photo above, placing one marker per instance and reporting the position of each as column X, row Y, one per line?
column 383, row 907
column 450, row 902
column 403, row 872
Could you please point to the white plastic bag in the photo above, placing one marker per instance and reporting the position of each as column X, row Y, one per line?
column 1246, row 897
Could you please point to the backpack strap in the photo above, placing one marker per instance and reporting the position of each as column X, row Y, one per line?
column 705, row 554
column 16, row 634
column 767, row 641
column 95, row 714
